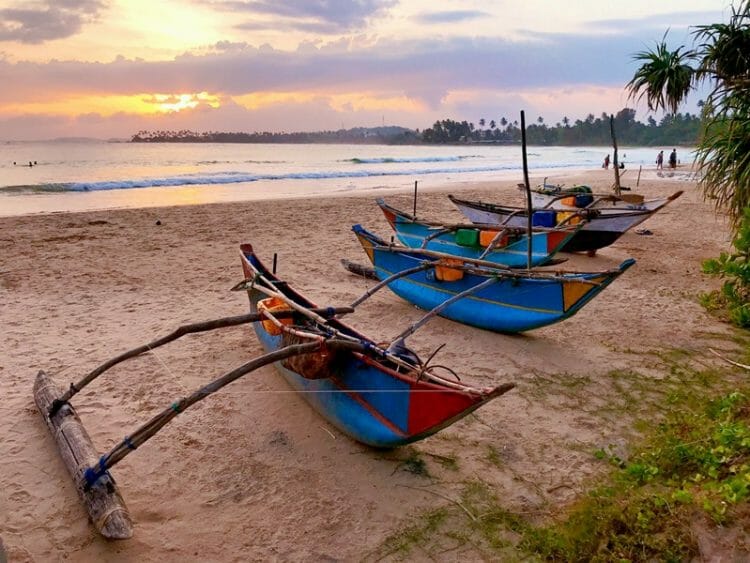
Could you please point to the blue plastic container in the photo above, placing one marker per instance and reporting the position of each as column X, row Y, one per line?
column 584, row 200
column 544, row 218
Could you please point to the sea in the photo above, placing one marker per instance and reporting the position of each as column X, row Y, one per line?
column 59, row 176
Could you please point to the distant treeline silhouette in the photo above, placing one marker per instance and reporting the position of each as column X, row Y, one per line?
column 357, row 135
column 678, row 129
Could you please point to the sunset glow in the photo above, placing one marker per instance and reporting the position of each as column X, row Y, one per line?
column 170, row 103
column 111, row 67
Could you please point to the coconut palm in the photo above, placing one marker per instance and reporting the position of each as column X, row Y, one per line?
column 722, row 55
column 723, row 153
column 665, row 77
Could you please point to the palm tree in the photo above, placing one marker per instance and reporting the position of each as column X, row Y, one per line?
column 665, row 77
column 723, row 56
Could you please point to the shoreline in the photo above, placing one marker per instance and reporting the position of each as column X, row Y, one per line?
column 17, row 204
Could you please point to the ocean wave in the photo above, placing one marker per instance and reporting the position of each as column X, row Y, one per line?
column 407, row 159
column 36, row 188
column 218, row 178
column 205, row 162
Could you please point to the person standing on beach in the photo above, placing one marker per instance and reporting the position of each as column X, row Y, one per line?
column 660, row 160
column 673, row 159
column 605, row 165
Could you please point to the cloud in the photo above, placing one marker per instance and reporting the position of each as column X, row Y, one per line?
column 428, row 67
column 230, row 45
column 453, row 16
column 461, row 78
column 673, row 20
column 53, row 20
column 319, row 16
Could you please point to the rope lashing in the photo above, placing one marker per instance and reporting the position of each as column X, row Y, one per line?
column 93, row 474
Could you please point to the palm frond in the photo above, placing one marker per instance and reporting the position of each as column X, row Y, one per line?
column 665, row 77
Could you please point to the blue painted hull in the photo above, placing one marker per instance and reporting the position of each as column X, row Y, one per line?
column 515, row 255
column 329, row 397
column 512, row 304
column 412, row 233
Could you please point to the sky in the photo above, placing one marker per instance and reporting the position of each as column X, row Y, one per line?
column 111, row 68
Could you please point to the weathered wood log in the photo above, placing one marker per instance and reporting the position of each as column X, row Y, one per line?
column 103, row 502
column 359, row 269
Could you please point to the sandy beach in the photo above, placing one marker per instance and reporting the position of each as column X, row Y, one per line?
column 254, row 473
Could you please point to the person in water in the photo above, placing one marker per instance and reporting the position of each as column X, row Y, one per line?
column 673, row 159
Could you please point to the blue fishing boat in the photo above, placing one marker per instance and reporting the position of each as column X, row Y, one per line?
column 380, row 397
column 506, row 246
column 480, row 293
column 606, row 221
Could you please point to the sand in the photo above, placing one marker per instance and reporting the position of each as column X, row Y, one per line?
column 253, row 473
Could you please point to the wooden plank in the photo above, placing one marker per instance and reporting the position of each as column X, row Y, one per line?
column 103, row 502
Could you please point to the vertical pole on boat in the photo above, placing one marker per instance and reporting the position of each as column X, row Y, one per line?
column 529, row 210
column 415, row 199
column 638, row 181
column 273, row 268
column 614, row 160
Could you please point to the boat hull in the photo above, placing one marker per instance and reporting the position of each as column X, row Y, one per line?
column 544, row 244
column 606, row 205
column 600, row 230
column 512, row 304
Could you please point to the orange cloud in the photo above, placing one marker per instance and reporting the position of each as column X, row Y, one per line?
column 138, row 104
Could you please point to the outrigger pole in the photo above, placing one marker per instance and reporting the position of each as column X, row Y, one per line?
column 437, row 310
column 178, row 333
column 94, row 483
column 394, row 277
column 529, row 209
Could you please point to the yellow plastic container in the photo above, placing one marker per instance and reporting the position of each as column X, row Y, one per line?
column 446, row 269
column 272, row 305
column 563, row 215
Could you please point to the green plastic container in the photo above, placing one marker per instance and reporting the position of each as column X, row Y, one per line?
column 467, row 237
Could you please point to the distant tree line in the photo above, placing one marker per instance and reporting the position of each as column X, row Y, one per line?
column 677, row 129
column 357, row 135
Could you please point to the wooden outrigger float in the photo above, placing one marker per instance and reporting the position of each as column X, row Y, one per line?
column 383, row 396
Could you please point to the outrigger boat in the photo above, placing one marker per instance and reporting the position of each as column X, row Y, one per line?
column 383, row 396
column 574, row 198
column 604, row 225
column 507, row 246
column 379, row 397
column 479, row 293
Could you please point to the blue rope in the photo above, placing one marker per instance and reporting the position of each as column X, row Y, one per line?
column 128, row 443
column 330, row 312
column 92, row 474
